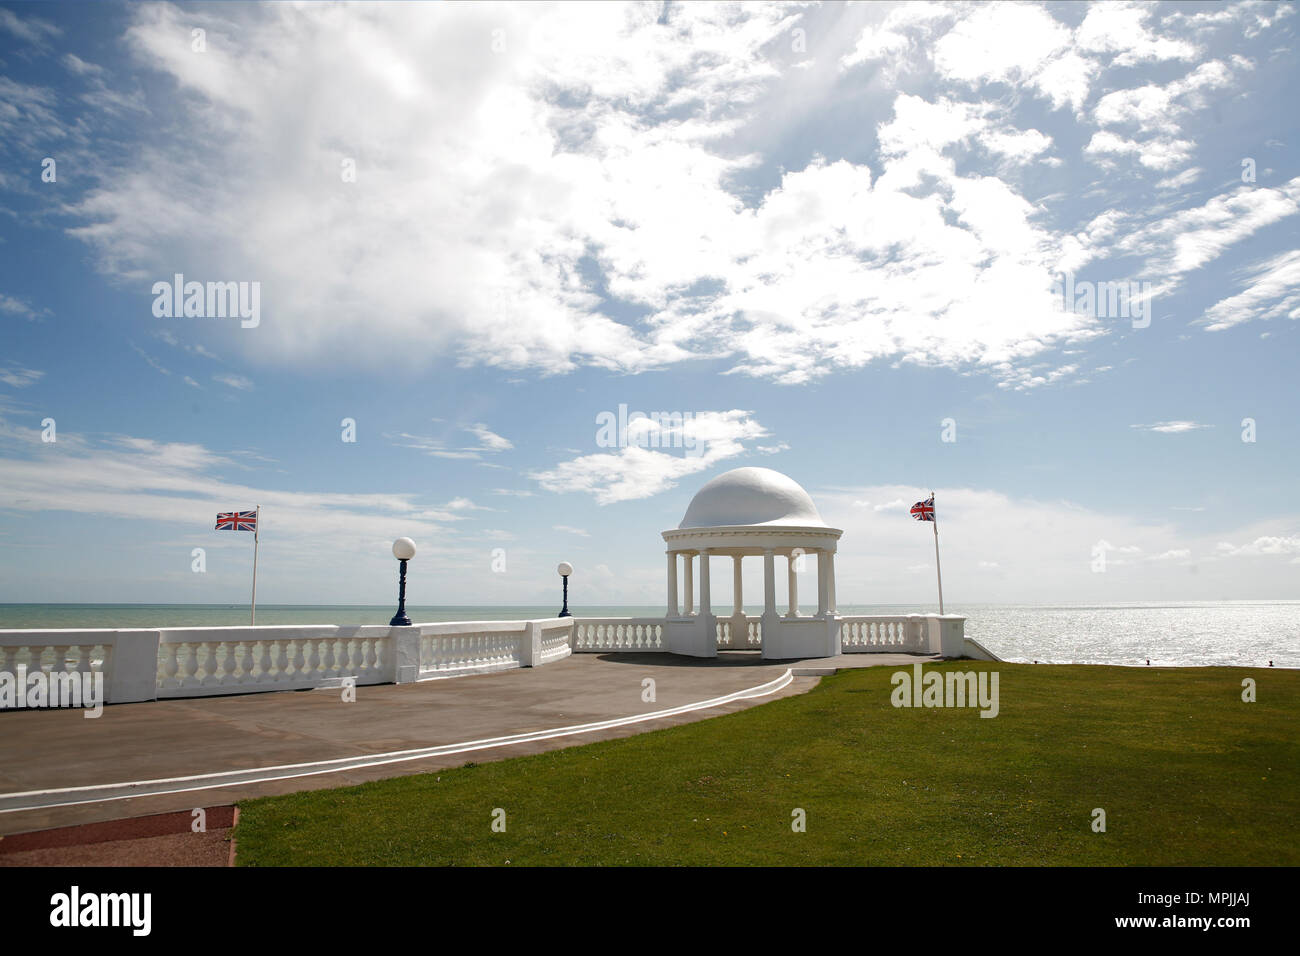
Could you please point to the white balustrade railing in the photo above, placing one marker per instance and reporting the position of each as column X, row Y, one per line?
column 901, row 633
column 53, row 652
column 480, row 647
column 618, row 634
column 195, row 662
column 555, row 644
column 736, row 637
column 200, row 661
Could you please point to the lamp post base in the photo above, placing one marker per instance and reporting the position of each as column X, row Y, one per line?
column 400, row 619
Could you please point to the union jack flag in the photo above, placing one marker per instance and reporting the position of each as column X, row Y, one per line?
column 237, row 521
column 924, row 510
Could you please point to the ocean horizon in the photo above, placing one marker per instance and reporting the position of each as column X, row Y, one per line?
column 1168, row 633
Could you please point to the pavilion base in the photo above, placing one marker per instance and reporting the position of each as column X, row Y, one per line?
column 695, row 636
column 800, row 638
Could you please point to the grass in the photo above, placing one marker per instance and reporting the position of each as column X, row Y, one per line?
column 1187, row 773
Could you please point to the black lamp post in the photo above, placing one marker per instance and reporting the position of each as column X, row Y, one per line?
column 565, row 570
column 403, row 551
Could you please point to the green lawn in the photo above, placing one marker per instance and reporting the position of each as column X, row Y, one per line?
column 1186, row 772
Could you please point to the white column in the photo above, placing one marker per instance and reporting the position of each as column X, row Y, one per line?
column 738, row 598
column 672, row 584
column 690, row 583
column 830, row 580
column 823, row 591
column 792, row 585
column 769, row 583
column 706, row 598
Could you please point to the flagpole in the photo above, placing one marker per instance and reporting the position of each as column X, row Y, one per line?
column 937, row 569
column 257, row 530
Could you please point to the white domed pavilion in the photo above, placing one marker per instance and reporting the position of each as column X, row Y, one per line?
column 751, row 512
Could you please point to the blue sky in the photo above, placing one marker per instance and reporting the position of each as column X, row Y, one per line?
column 819, row 232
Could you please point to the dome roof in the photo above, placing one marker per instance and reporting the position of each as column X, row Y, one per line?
column 751, row 496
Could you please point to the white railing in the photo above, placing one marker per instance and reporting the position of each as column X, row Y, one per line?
column 903, row 634
column 77, row 652
column 618, row 634
column 448, row 650
column 555, row 644
column 750, row 637
column 199, row 661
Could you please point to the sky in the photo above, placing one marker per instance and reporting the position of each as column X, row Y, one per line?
column 1040, row 259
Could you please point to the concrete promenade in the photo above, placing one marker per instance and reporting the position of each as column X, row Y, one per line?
column 49, row 750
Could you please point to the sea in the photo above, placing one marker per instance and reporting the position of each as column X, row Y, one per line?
column 1239, row 633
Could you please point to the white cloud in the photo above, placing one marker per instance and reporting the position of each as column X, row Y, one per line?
column 566, row 529
column 1043, row 551
column 1189, row 238
column 11, row 305
column 595, row 140
column 1172, row 428
column 177, row 485
column 17, row 376
column 1041, row 57
column 906, row 27
column 1158, row 154
column 1120, row 28
column 593, row 207
column 635, row 472
column 465, row 504
column 488, row 439
column 79, row 66
column 1181, row 180
column 1273, row 292
column 1264, row 545
column 239, row 382
column 489, row 442
column 31, row 30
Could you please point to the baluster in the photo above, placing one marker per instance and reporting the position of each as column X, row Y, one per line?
column 205, row 663
column 167, row 666
column 311, row 659
column 241, row 663
column 189, row 663
column 271, row 661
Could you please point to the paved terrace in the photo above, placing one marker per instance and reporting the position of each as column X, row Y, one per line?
column 49, row 750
